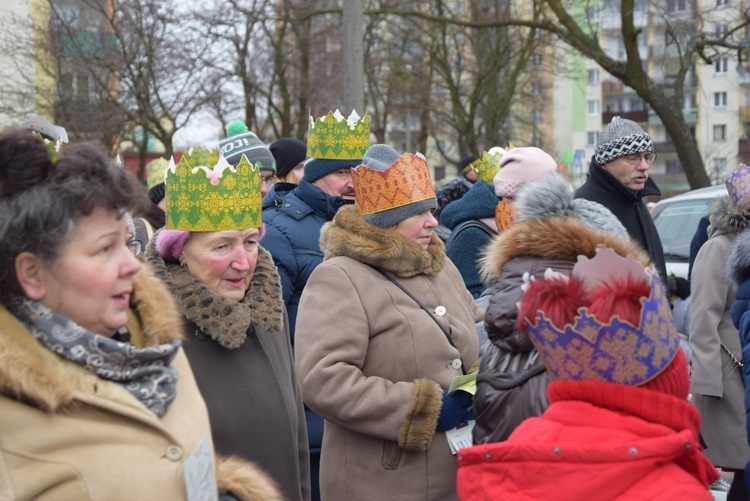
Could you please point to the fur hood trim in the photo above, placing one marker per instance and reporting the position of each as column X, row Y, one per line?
column 226, row 321
column 726, row 218
column 738, row 262
column 553, row 238
column 351, row 236
column 245, row 480
column 39, row 377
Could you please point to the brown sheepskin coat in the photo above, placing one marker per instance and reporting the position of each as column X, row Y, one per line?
column 374, row 365
column 67, row 434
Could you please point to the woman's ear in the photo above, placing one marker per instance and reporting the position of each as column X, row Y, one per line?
column 30, row 274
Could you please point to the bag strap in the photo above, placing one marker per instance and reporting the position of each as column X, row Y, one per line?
column 447, row 336
column 471, row 223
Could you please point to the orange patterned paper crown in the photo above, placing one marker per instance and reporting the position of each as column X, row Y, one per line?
column 505, row 214
column 405, row 182
column 738, row 186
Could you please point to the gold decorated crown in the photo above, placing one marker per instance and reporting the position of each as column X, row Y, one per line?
column 406, row 181
column 205, row 193
column 487, row 166
column 738, row 186
column 157, row 169
column 334, row 138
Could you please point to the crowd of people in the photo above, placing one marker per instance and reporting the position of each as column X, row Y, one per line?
column 307, row 321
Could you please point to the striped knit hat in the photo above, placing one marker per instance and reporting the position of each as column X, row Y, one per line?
column 241, row 141
column 619, row 138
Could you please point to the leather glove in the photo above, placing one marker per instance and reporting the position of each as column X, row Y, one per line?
column 679, row 286
column 455, row 410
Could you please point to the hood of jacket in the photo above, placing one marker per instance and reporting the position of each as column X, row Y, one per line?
column 726, row 218
column 308, row 194
column 562, row 238
column 41, row 378
column 226, row 321
column 351, row 236
column 479, row 202
column 738, row 262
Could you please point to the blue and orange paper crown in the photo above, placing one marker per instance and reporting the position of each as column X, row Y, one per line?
column 615, row 351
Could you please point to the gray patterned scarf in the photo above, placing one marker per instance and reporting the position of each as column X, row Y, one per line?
column 145, row 373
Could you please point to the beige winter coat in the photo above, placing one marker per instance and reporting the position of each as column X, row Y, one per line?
column 373, row 364
column 66, row 434
column 716, row 383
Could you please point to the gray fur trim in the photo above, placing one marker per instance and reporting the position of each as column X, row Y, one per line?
column 552, row 196
column 727, row 217
column 738, row 261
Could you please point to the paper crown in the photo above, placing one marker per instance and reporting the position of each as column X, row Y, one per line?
column 617, row 351
column 157, row 169
column 334, row 138
column 738, row 186
column 406, row 181
column 205, row 193
column 505, row 214
column 488, row 165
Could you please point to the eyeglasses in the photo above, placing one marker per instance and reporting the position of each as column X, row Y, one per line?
column 135, row 247
column 269, row 180
column 636, row 158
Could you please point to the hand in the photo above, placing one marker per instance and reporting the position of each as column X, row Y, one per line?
column 455, row 409
column 679, row 286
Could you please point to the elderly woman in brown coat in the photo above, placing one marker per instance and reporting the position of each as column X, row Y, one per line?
column 385, row 324
column 97, row 400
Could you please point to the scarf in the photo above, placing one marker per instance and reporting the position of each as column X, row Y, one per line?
column 145, row 373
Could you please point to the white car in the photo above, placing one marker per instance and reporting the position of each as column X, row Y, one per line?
column 676, row 219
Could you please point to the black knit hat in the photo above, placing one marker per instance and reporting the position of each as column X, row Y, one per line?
column 288, row 152
column 619, row 138
column 466, row 162
column 156, row 193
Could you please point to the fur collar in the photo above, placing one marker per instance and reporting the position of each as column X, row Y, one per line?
column 726, row 218
column 224, row 320
column 738, row 262
column 36, row 375
column 351, row 236
column 552, row 238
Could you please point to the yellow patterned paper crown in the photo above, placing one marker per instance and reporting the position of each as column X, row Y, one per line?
column 615, row 351
column 157, row 169
column 487, row 166
column 405, row 182
column 334, row 138
column 738, row 186
column 205, row 193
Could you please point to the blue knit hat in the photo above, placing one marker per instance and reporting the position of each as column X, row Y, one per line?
column 315, row 168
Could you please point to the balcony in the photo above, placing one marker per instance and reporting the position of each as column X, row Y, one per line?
column 744, row 112
column 635, row 116
column 664, row 148
column 690, row 116
column 612, row 86
column 744, row 148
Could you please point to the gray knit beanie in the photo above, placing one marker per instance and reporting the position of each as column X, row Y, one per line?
column 552, row 196
column 619, row 138
column 381, row 157
column 241, row 141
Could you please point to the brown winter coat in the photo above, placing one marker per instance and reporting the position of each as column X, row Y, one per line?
column 533, row 246
column 373, row 364
column 717, row 387
column 67, row 434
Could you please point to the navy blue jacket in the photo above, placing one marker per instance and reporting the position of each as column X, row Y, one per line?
column 464, row 248
column 293, row 215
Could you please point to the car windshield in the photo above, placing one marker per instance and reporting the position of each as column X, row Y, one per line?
column 676, row 224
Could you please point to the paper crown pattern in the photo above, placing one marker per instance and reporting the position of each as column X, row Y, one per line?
column 205, row 193
column 157, row 169
column 505, row 214
column 738, row 186
column 406, row 181
column 618, row 351
column 53, row 147
column 487, row 166
column 334, row 138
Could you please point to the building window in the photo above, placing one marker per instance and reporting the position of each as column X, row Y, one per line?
column 592, row 138
column 721, row 65
column 721, row 30
column 720, row 132
column 674, row 167
column 593, row 13
column 592, row 107
column 592, row 76
column 641, row 6
column 536, row 116
column 720, row 99
column 439, row 172
column 720, row 166
column 677, row 5
column 721, row 3
column 460, row 8
column 536, row 89
column 536, row 60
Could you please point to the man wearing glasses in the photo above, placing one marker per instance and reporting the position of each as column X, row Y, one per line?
column 618, row 179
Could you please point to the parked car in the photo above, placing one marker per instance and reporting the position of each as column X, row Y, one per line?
column 676, row 219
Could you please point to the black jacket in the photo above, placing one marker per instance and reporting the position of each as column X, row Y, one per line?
column 627, row 206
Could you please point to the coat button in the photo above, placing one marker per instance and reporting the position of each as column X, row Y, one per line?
column 287, row 205
column 173, row 453
column 440, row 311
column 633, row 451
column 557, row 450
column 455, row 363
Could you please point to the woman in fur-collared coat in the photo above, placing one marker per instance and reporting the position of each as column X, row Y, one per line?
column 717, row 386
column 370, row 360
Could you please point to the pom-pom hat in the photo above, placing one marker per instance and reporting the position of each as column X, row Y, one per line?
column 240, row 141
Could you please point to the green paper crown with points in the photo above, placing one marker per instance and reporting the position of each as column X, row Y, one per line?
column 53, row 147
column 156, row 170
column 333, row 137
column 205, row 193
column 487, row 166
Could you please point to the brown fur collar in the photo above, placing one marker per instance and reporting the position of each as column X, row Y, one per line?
column 36, row 375
column 727, row 218
column 553, row 238
column 351, row 236
column 224, row 320
column 244, row 480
